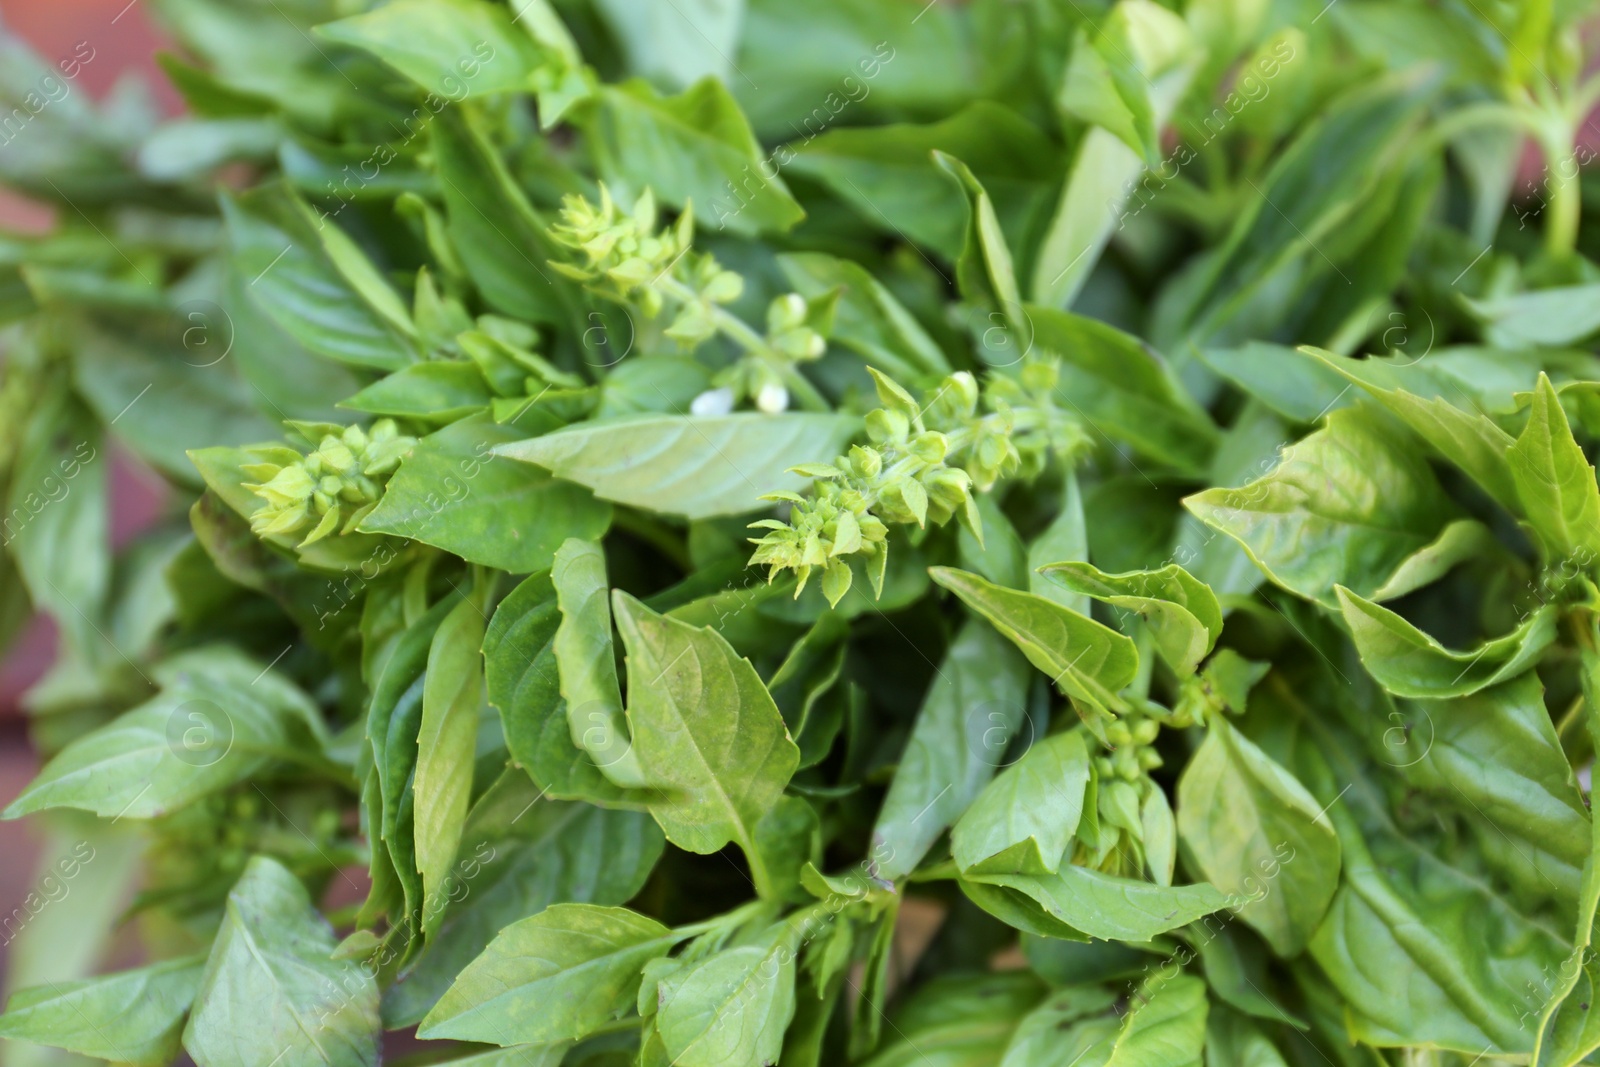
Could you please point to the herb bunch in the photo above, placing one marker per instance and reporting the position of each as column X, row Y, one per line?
column 1091, row 555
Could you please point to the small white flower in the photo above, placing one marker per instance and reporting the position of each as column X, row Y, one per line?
column 712, row 402
column 772, row 398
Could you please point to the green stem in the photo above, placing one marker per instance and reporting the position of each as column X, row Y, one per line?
column 1475, row 116
column 1555, row 137
column 802, row 389
column 316, row 763
column 766, row 888
column 939, row 872
column 737, row 915
column 740, row 333
column 1561, row 231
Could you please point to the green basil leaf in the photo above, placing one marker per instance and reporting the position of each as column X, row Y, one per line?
column 1089, row 662
column 116, row 369
column 1257, row 834
column 57, row 523
column 959, row 1020
column 1345, row 506
column 130, row 1017
column 1566, row 1030
column 1066, row 538
column 1402, row 36
column 262, row 61
column 394, row 721
column 1546, row 318
column 753, row 984
column 524, row 684
column 734, row 611
column 1103, row 905
column 308, row 278
column 1249, row 448
column 270, row 989
column 1024, row 821
column 587, row 665
column 75, row 152
column 660, row 385
column 817, row 48
column 1573, row 1033
column 1158, row 833
column 1301, row 390
column 1409, row 663
column 1067, row 1024
column 1135, row 523
column 1124, row 390
column 450, row 48
column 976, row 702
column 695, row 466
column 209, row 728
column 1418, row 944
column 1235, row 965
column 1494, row 757
column 1002, row 558
column 1554, row 481
column 284, row 375
column 1181, row 611
column 1163, row 55
column 694, row 147
column 551, row 1055
column 521, row 853
column 1396, row 944
column 1105, row 85
column 705, row 730
column 789, row 836
column 452, row 693
column 984, row 273
column 1458, row 542
column 501, row 239
column 806, row 688
column 453, row 491
column 1313, row 187
column 816, row 1000
column 1020, row 911
column 1166, row 1028
column 438, row 393
column 1470, row 440
column 678, row 45
column 885, row 173
column 556, row 976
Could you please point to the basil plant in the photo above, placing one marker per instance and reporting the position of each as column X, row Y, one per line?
column 725, row 533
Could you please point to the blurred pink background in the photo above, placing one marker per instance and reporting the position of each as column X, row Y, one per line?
column 128, row 44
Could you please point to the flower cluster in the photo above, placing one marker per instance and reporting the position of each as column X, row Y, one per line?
column 628, row 258
column 1023, row 429
column 1117, row 842
column 1131, row 755
column 333, row 487
column 921, row 466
